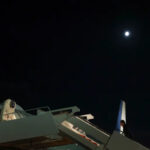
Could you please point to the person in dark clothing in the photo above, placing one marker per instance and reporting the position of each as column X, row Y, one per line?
column 126, row 131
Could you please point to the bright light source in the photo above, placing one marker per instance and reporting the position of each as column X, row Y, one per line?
column 127, row 33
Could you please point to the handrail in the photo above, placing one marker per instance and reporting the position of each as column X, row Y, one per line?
column 37, row 108
column 25, row 113
column 71, row 110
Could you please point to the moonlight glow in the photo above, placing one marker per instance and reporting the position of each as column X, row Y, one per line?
column 127, row 33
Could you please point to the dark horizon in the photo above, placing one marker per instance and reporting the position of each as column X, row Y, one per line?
column 66, row 53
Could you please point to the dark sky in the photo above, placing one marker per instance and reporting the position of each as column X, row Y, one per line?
column 66, row 53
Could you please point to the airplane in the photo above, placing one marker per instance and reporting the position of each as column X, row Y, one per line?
column 62, row 129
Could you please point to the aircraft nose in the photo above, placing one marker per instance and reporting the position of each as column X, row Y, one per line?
column 12, row 104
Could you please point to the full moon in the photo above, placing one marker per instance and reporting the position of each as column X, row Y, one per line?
column 127, row 33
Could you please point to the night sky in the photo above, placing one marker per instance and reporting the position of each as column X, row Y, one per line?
column 66, row 53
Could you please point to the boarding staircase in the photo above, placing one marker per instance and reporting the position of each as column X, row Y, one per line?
column 59, row 129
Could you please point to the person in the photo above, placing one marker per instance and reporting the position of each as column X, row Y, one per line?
column 126, row 131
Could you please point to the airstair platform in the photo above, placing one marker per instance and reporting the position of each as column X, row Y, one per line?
column 59, row 129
